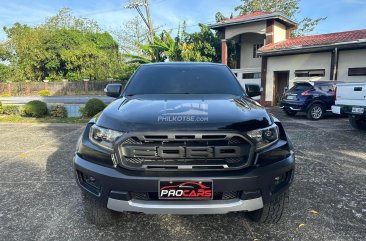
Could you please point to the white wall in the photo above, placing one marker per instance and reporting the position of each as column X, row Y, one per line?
column 351, row 59
column 295, row 62
column 279, row 32
column 257, row 27
column 246, row 54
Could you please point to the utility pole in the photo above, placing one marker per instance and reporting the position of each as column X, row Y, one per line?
column 136, row 4
column 151, row 27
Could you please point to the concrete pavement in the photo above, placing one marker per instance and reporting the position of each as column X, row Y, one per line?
column 39, row 199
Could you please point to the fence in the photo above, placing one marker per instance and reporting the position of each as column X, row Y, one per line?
column 55, row 88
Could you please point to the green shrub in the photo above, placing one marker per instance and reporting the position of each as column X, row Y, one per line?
column 72, row 76
column 92, row 107
column 34, row 108
column 9, row 109
column 44, row 93
column 58, row 111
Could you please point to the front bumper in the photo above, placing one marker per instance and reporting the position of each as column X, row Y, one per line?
column 257, row 186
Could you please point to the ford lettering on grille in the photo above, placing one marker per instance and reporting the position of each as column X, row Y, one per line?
column 184, row 152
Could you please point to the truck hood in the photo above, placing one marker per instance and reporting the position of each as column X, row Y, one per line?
column 184, row 112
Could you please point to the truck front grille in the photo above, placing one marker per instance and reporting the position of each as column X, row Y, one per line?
column 184, row 151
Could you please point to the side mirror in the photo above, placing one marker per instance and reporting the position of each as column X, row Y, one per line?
column 113, row 90
column 253, row 90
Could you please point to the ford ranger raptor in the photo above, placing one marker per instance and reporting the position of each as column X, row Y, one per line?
column 184, row 138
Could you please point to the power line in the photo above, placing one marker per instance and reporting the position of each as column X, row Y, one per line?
column 142, row 16
column 189, row 26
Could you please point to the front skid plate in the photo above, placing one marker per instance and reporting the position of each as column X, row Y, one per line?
column 185, row 207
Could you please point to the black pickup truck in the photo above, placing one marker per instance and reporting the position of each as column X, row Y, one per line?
column 184, row 138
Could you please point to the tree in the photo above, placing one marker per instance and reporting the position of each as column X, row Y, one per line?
column 4, row 72
column 24, row 51
column 203, row 46
column 65, row 20
column 290, row 8
column 64, row 47
column 132, row 35
column 163, row 46
column 4, row 54
column 136, row 4
column 219, row 17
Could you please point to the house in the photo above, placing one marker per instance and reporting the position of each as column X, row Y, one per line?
column 269, row 56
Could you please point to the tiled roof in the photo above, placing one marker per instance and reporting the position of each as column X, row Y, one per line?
column 315, row 40
column 254, row 17
column 246, row 16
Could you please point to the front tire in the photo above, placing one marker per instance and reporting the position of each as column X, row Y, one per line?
column 271, row 212
column 315, row 112
column 96, row 212
column 358, row 123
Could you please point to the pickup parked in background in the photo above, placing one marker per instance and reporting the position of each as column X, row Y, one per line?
column 351, row 101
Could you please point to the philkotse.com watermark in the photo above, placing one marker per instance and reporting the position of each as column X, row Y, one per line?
column 187, row 112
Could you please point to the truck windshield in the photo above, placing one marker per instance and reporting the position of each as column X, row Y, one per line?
column 183, row 79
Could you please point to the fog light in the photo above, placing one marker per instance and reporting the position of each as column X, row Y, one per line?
column 278, row 179
column 92, row 181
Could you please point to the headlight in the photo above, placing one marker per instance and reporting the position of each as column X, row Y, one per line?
column 264, row 137
column 103, row 137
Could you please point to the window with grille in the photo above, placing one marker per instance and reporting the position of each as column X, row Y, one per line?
column 252, row 75
column 356, row 71
column 255, row 50
column 310, row 73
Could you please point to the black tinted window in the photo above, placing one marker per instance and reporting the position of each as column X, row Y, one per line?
column 183, row 79
column 356, row 71
column 301, row 87
column 326, row 88
column 310, row 73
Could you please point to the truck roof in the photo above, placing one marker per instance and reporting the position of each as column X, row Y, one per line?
column 353, row 83
column 184, row 63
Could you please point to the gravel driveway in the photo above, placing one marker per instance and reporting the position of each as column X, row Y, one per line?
column 39, row 199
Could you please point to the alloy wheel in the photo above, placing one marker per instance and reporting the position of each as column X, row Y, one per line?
column 316, row 112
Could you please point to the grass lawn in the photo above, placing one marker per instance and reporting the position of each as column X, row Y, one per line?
column 20, row 119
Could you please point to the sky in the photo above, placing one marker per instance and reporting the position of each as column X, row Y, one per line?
column 342, row 15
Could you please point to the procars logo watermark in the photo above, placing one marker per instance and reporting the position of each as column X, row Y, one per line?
column 187, row 112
